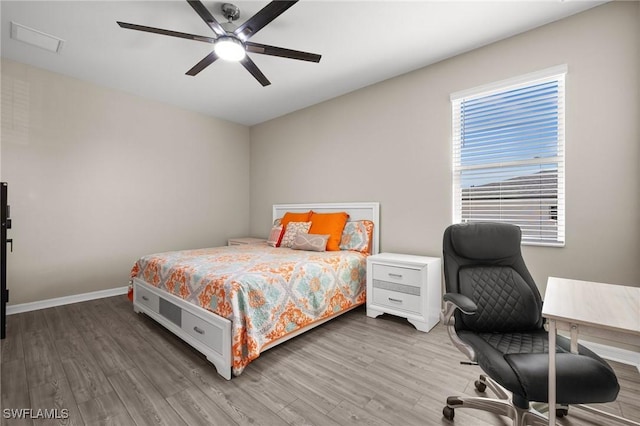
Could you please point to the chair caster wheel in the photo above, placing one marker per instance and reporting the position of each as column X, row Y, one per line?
column 561, row 412
column 448, row 413
column 480, row 386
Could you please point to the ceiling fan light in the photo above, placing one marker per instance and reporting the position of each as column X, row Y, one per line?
column 229, row 49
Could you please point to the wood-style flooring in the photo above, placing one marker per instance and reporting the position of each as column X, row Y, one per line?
column 104, row 364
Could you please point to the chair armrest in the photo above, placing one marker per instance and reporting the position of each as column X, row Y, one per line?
column 461, row 302
column 453, row 301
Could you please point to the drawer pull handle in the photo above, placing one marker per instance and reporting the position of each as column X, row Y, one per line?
column 391, row 299
column 145, row 298
column 395, row 275
column 198, row 330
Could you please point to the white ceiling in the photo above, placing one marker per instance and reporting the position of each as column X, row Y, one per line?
column 361, row 43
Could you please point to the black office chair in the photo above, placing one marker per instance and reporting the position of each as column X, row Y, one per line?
column 493, row 312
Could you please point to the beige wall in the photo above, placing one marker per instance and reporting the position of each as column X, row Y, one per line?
column 98, row 178
column 391, row 143
column 85, row 205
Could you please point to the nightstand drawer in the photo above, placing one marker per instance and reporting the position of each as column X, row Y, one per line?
column 397, row 275
column 398, row 288
column 148, row 299
column 395, row 300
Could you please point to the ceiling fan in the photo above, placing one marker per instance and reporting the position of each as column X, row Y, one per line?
column 230, row 42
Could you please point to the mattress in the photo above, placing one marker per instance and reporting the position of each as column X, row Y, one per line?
column 266, row 292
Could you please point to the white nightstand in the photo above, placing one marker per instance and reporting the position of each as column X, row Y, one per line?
column 245, row 241
column 405, row 285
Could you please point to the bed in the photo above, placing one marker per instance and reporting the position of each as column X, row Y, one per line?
column 232, row 303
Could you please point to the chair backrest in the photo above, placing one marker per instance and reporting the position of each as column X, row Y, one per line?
column 483, row 261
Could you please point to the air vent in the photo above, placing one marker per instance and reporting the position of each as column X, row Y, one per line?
column 36, row 38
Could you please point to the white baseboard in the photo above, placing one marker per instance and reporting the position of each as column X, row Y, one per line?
column 59, row 301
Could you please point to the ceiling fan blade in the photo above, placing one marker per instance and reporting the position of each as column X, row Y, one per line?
column 262, row 18
column 165, row 32
column 282, row 52
column 255, row 71
column 205, row 62
column 207, row 17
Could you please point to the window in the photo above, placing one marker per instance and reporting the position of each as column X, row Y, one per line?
column 508, row 155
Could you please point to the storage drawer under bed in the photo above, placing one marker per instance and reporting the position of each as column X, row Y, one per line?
column 169, row 309
column 147, row 298
column 200, row 329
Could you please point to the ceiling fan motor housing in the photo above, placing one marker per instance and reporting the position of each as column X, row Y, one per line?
column 230, row 11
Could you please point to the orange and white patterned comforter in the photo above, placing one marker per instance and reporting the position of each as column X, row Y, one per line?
column 266, row 292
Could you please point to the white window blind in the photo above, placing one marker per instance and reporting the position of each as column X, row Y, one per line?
column 508, row 155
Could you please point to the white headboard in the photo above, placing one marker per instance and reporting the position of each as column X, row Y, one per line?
column 356, row 211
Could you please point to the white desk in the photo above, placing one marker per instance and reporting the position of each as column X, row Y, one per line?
column 607, row 311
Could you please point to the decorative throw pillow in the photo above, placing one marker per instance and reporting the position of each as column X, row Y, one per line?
column 357, row 236
column 274, row 235
column 329, row 223
column 292, row 217
column 293, row 228
column 311, row 242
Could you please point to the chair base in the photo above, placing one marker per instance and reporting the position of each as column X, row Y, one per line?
column 502, row 405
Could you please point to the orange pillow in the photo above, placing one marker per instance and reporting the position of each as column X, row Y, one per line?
column 292, row 217
column 329, row 223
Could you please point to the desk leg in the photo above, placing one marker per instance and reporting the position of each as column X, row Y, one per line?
column 574, row 339
column 552, row 372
